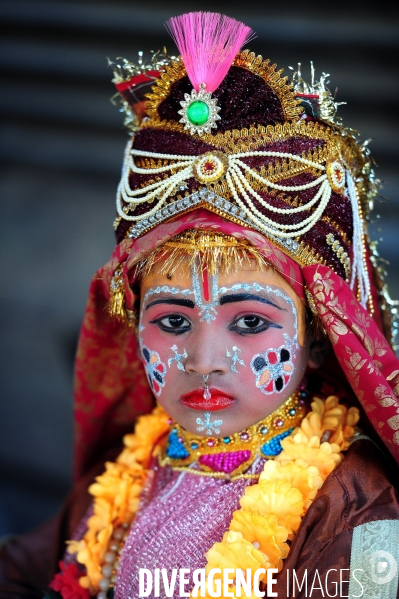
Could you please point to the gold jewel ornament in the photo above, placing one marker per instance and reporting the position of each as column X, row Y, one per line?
column 336, row 174
column 210, row 167
column 200, row 111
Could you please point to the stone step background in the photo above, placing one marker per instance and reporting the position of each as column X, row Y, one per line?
column 61, row 148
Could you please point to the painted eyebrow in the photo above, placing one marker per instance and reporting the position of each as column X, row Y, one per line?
column 243, row 297
column 172, row 300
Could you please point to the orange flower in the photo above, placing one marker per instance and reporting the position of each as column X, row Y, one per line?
column 237, row 553
column 324, row 457
column 264, row 533
column 117, row 495
column 305, row 478
column 278, row 498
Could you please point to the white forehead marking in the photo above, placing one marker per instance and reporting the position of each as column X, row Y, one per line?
column 208, row 312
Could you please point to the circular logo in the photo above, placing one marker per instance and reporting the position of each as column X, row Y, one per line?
column 383, row 567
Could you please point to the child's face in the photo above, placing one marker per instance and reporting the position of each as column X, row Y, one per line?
column 245, row 330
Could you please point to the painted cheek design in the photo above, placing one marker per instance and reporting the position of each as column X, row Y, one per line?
column 273, row 369
column 155, row 369
column 177, row 358
column 234, row 358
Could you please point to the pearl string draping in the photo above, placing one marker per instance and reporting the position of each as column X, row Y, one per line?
column 239, row 186
column 359, row 266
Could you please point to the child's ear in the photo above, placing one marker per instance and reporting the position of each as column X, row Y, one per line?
column 318, row 350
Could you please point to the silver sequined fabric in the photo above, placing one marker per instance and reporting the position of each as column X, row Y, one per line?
column 181, row 516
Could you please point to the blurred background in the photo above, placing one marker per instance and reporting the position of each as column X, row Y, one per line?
column 61, row 149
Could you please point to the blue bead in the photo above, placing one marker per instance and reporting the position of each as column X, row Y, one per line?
column 226, row 440
column 273, row 447
column 175, row 448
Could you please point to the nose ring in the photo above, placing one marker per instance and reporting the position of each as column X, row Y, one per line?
column 207, row 393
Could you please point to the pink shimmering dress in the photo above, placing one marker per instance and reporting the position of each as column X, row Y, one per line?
column 181, row 516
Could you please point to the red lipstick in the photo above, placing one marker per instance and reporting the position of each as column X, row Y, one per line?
column 218, row 401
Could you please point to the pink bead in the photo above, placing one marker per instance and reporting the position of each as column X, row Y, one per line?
column 225, row 462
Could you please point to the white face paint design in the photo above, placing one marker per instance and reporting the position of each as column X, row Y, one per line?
column 291, row 343
column 165, row 289
column 207, row 425
column 177, row 358
column 208, row 311
column 235, row 359
column 273, row 369
column 155, row 369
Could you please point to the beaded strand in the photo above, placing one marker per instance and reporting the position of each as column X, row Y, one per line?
column 237, row 183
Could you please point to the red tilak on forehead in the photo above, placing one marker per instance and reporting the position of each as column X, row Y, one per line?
column 205, row 282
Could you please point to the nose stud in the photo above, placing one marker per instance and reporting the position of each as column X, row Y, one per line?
column 207, row 393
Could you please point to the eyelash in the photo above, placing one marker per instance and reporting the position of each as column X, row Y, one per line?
column 266, row 324
column 172, row 330
column 232, row 327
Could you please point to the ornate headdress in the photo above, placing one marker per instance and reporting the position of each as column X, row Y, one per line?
column 222, row 141
column 224, row 130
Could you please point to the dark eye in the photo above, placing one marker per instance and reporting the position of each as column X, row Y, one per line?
column 174, row 323
column 251, row 324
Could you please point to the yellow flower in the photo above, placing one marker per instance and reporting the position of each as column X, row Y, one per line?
column 305, row 478
column 331, row 417
column 277, row 498
column 235, row 552
column 264, row 533
column 325, row 457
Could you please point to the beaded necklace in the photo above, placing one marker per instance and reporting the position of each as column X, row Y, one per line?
column 231, row 456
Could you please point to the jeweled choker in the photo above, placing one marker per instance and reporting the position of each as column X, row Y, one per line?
column 231, row 456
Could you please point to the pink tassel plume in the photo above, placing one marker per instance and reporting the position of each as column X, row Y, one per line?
column 208, row 43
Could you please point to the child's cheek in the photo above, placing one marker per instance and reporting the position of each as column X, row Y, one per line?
column 162, row 359
column 272, row 367
column 154, row 367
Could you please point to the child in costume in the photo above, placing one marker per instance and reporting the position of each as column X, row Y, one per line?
column 242, row 255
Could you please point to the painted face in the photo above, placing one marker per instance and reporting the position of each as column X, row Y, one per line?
column 245, row 330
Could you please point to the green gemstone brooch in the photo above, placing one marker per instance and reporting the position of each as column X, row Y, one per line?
column 199, row 111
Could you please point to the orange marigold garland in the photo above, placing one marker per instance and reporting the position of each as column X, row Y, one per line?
column 271, row 510
column 116, row 500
